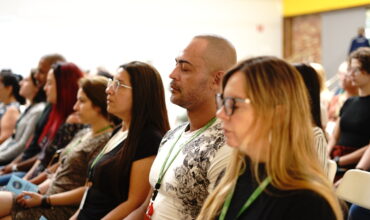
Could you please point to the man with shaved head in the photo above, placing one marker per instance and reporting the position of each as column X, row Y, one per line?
column 44, row 66
column 192, row 156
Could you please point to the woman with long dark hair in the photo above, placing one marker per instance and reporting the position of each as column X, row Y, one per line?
column 312, row 83
column 118, row 179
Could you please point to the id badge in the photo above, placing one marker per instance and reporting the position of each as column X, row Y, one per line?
column 149, row 211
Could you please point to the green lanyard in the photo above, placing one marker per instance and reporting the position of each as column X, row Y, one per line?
column 103, row 129
column 250, row 200
column 100, row 155
column 165, row 166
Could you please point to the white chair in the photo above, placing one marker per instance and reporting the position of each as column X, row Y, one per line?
column 355, row 188
column 332, row 169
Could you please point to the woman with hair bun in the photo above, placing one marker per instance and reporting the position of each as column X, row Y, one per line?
column 11, row 100
column 26, row 123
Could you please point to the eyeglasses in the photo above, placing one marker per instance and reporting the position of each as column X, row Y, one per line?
column 355, row 71
column 228, row 103
column 116, row 84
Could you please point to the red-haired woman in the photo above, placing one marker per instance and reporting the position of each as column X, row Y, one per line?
column 61, row 89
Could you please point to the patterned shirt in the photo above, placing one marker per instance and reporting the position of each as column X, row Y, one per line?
column 72, row 172
column 193, row 174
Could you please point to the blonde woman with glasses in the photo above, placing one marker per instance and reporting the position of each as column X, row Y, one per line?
column 274, row 172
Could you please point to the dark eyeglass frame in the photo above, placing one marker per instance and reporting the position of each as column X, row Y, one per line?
column 228, row 103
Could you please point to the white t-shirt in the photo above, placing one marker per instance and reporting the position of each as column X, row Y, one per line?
column 193, row 174
column 320, row 145
column 116, row 140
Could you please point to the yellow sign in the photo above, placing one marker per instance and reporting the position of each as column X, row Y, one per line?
column 301, row 7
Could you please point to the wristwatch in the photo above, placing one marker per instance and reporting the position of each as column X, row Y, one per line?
column 336, row 160
column 45, row 202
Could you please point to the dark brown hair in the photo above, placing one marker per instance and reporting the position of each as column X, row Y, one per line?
column 53, row 58
column 94, row 87
column 362, row 54
column 148, row 111
column 8, row 78
column 312, row 82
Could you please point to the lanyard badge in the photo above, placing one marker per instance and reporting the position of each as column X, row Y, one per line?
column 150, row 209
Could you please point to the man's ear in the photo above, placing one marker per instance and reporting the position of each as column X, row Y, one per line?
column 217, row 78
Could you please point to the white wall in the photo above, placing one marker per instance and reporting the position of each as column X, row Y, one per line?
column 338, row 29
column 109, row 33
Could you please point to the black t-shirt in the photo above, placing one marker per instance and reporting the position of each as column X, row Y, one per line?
column 101, row 200
column 277, row 204
column 355, row 122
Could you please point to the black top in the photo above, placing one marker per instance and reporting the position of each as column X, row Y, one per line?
column 33, row 148
column 277, row 204
column 100, row 199
column 64, row 135
column 355, row 122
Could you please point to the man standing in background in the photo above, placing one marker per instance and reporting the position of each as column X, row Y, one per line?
column 359, row 41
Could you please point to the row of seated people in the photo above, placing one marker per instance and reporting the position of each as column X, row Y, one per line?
column 344, row 115
column 11, row 100
column 347, row 131
column 254, row 151
column 348, row 125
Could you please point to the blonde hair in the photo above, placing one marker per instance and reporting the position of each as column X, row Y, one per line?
column 280, row 101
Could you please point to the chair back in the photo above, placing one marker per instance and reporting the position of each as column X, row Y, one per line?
column 355, row 188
